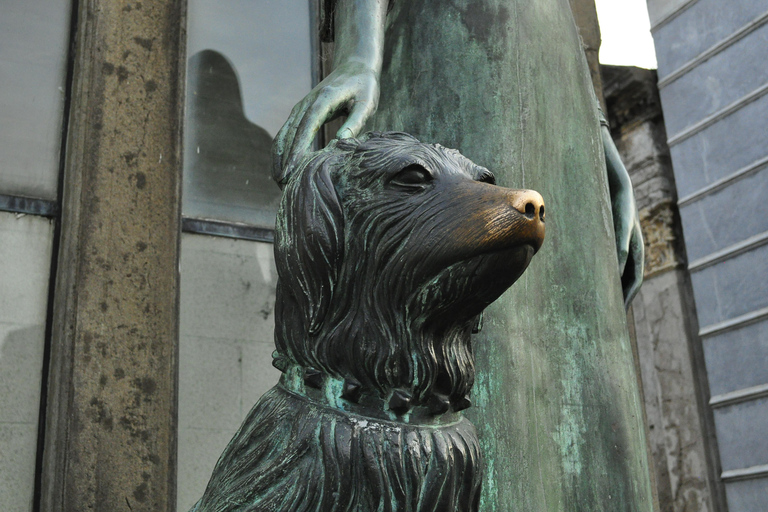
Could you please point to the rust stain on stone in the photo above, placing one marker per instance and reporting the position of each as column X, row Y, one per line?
column 144, row 43
column 141, row 180
column 122, row 74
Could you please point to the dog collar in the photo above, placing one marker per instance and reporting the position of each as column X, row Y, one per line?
column 348, row 396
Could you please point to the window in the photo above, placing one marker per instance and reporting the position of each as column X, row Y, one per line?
column 249, row 62
column 34, row 44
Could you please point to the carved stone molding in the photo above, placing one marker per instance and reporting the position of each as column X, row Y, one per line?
column 662, row 241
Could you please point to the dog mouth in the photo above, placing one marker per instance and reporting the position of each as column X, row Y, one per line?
column 465, row 288
column 495, row 271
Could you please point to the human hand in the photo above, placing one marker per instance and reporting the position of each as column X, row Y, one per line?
column 626, row 222
column 631, row 249
column 352, row 87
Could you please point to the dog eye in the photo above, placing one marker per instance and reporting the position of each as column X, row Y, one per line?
column 412, row 176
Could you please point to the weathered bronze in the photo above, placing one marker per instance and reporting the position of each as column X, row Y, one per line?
column 558, row 412
column 559, row 417
column 352, row 88
column 387, row 250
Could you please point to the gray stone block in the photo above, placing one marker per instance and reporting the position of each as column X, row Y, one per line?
column 225, row 360
column 716, row 83
column 21, row 365
column 25, row 253
column 18, row 445
column 731, row 288
column 227, row 289
column 737, row 359
column 741, row 432
column 700, row 27
column 659, row 9
column 199, row 449
column 210, row 382
column 747, row 496
column 721, row 149
column 25, row 260
column 259, row 376
column 726, row 217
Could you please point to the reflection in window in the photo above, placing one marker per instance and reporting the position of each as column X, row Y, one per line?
column 227, row 157
column 250, row 62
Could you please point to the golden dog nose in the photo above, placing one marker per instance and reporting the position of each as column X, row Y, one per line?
column 529, row 203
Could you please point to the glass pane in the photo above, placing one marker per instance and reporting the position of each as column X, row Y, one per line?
column 25, row 263
column 249, row 62
column 33, row 65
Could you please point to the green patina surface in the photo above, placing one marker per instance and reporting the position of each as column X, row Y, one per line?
column 556, row 400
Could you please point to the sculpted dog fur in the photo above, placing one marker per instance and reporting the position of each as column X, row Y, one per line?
column 387, row 250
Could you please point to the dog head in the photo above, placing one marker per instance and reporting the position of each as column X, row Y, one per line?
column 387, row 249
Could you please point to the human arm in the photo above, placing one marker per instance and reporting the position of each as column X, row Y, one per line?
column 629, row 238
column 352, row 86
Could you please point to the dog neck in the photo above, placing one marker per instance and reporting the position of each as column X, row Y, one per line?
column 348, row 395
column 415, row 364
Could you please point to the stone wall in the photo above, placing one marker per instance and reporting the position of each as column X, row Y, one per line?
column 225, row 348
column 715, row 102
column 668, row 348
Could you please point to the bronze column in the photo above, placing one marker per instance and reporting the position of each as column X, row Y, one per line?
column 555, row 400
column 110, row 436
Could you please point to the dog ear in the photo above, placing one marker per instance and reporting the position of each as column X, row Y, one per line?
column 309, row 239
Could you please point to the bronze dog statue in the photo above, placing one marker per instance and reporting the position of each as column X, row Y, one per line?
column 387, row 250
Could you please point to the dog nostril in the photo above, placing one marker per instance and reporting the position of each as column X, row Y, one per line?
column 528, row 203
column 530, row 210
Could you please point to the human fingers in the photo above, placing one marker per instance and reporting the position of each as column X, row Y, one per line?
column 306, row 130
column 361, row 111
column 623, row 231
column 624, row 219
column 633, row 281
column 284, row 138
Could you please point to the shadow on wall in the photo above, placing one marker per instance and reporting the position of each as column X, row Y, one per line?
column 21, row 361
column 227, row 158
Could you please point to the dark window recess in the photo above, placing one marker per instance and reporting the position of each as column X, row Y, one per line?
column 28, row 205
column 227, row 229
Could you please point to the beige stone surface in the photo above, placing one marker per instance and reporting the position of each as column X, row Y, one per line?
column 111, row 417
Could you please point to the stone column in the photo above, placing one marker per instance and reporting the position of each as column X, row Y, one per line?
column 112, row 391
column 670, row 358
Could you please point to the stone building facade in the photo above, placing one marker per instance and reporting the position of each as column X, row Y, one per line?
column 713, row 96
column 663, row 314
